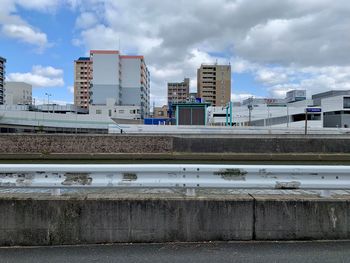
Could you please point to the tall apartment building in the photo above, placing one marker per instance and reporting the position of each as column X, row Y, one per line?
column 178, row 91
column 82, row 78
column 214, row 83
column 2, row 79
column 107, row 75
column 135, row 83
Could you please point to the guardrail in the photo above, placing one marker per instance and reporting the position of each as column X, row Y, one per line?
column 189, row 177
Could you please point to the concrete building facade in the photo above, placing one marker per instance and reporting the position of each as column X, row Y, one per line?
column 17, row 93
column 106, row 75
column 178, row 92
column 124, row 79
column 135, row 83
column 82, row 78
column 214, row 84
column 2, row 79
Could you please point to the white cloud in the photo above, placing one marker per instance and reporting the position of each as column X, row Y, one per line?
column 26, row 34
column 47, row 71
column 86, row 20
column 270, row 77
column 13, row 26
column 283, row 44
column 241, row 96
column 39, row 5
column 312, row 79
column 274, row 40
column 40, row 77
column 239, row 65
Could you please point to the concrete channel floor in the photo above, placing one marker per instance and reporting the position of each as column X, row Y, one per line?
column 249, row 252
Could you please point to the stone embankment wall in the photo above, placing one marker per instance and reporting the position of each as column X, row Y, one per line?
column 90, row 145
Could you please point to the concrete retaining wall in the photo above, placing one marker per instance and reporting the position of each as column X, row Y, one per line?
column 64, row 220
column 82, row 144
column 57, row 222
column 253, row 144
column 282, row 218
column 94, row 145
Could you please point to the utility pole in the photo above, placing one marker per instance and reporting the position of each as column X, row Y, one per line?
column 305, row 121
column 287, row 116
column 250, row 108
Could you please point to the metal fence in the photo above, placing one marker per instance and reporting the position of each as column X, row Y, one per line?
column 189, row 177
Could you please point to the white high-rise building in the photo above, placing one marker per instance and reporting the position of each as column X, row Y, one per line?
column 125, row 79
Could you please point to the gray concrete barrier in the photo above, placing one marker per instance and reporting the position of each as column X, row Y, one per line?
column 58, row 221
column 44, row 220
column 229, row 147
column 301, row 218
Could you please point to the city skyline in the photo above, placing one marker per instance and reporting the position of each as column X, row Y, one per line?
column 283, row 45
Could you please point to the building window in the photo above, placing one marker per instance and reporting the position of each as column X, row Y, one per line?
column 98, row 111
column 121, row 111
column 346, row 102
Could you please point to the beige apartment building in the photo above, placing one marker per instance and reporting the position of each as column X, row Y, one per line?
column 178, row 91
column 160, row 112
column 82, row 78
column 214, row 83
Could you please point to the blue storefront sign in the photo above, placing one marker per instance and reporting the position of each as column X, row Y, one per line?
column 313, row 110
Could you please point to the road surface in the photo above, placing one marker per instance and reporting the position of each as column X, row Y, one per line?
column 185, row 252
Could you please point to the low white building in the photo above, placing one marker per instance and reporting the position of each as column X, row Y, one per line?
column 336, row 108
column 287, row 115
column 120, row 112
column 329, row 109
column 17, row 93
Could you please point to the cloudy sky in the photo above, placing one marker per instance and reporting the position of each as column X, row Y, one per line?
column 272, row 45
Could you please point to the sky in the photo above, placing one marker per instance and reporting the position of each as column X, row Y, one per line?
column 273, row 46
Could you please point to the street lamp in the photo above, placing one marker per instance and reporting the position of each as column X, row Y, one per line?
column 48, row 97
column 48, row 101
column 250, row 108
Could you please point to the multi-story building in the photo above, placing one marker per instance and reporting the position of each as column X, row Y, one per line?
column 135, row 83
column 17, row 93
column 2, row 79
column 109, row 75
column 178, row 91
column 82, row 78
column 160, row 112
column 214, row 83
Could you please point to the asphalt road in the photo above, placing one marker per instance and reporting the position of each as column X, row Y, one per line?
column 185, row 252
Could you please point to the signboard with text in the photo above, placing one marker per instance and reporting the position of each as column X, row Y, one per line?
column 313, row 110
